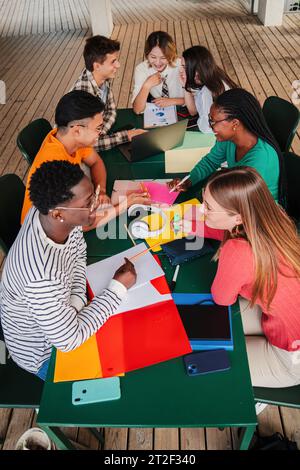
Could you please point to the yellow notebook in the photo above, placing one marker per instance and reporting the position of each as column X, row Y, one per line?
column 155, row 222
column 82, row 363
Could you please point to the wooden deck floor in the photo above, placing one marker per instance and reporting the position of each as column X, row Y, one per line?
column 41, row 43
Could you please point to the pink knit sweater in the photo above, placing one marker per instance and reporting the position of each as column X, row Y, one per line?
column 235, row 276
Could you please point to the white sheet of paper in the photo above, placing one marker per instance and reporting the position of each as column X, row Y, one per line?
column 184, row 160
column 157, row 117
column 140, row 297
column 100, row 274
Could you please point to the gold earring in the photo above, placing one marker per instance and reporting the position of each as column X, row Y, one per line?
column 236, row 231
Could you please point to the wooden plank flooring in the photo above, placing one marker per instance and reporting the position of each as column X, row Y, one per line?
column 41, row 43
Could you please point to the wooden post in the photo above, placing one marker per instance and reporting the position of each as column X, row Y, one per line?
column 270, row 12
column 101, row 17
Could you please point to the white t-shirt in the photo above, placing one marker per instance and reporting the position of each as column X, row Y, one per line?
column 143, row 71
column 203, row 101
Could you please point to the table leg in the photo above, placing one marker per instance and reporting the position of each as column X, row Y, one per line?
column 58, row 437
column 246, row 436
column 98, row 435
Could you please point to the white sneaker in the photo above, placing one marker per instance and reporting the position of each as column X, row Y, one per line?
column 34, row 439
column 259, row 407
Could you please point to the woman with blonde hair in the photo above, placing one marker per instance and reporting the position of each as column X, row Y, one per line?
column 157, row 78
column 259, row 263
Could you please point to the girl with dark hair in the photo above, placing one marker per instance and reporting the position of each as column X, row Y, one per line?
column 157, row 77
column 203, row 82
column 243, row 139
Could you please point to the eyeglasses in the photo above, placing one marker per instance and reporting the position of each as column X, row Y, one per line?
column 98, row 129
column 213, row 123
column 91, row 208
column 211, row 211
column 207, row 209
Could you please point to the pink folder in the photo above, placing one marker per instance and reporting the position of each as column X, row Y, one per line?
column 160, row 192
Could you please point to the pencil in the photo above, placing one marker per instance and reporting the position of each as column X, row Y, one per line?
column 144, row 189
column 144, row 251
column 129, row 234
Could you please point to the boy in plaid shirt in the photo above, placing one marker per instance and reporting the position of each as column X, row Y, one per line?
column 101, row 64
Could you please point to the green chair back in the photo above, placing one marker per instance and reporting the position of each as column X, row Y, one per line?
column 31, row 138
column 292, row 169
column 12, row 192
column 282, row 118
column 288, row 396
column 18, row 388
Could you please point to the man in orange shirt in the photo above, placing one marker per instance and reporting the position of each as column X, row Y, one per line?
column 79, row 120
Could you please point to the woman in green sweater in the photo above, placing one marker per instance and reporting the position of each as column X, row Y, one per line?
column 242, row 139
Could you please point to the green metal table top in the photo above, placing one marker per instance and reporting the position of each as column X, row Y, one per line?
column 161, row 395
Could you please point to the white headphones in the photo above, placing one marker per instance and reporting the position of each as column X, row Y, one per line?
column 140, row 228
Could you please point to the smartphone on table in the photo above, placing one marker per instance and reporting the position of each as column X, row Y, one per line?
column 205, row 362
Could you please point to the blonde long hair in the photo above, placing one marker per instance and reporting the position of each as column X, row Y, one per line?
column 271, row 234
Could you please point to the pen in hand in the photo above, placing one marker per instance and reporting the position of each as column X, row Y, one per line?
column 180, row 183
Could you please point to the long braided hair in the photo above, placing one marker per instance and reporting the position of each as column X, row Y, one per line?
column 242, row 105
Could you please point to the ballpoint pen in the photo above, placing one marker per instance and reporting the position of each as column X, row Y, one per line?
column 173, row 282
column 97, row 192
column 179, row 184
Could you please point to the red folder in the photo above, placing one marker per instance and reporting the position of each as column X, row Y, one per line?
column 142, row 337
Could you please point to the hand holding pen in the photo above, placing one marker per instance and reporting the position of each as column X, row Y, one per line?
column 179, row 185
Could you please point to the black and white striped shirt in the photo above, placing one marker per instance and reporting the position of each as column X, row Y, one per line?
column 43, row 299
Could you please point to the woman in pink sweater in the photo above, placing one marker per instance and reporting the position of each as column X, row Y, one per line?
column 259, row 263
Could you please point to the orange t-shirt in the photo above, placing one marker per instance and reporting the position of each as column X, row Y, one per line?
column 51, row 149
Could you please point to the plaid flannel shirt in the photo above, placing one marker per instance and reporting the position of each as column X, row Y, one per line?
column 86, row 82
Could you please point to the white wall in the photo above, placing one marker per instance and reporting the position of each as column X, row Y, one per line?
column 101, row 17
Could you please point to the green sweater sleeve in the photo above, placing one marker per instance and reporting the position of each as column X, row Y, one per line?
column 210, row 163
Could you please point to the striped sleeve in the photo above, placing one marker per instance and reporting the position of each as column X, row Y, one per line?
column 48, row 302
column 78, row 289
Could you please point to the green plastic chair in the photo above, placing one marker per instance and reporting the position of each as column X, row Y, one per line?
column 288, row 396
column 12, row 192
column 282, row 118
column 18, row 388
column 31, row 138
column 292, row 169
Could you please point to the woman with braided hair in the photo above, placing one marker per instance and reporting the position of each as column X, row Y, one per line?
column 242, row 139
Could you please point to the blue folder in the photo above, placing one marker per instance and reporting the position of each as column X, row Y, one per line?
column 208, row 325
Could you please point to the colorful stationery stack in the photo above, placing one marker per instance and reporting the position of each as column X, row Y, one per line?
column 145, row 330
